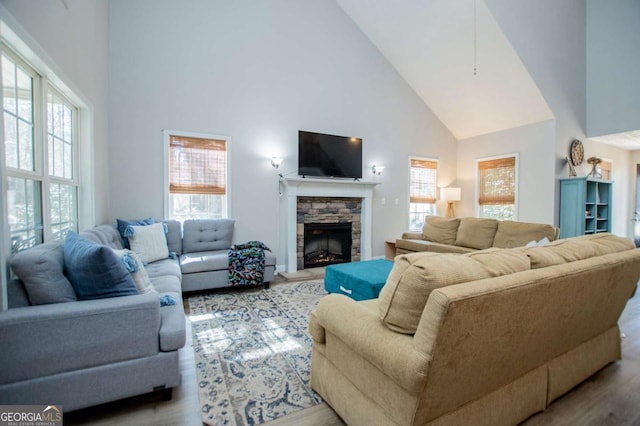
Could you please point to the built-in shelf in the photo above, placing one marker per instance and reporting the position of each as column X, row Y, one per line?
column 585, row 206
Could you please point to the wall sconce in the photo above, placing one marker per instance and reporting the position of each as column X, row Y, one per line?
column 450, row 195
column 276, row 161
column 377, row 170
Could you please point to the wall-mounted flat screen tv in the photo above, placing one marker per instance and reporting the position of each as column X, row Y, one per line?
column 329, row 155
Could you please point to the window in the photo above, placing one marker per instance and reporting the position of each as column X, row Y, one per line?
column 39, row 156
column 197, row 176
column 497, row 188
column 423, row 174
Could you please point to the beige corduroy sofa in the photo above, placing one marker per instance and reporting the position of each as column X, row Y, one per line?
column 468, row 234
column 487, row 338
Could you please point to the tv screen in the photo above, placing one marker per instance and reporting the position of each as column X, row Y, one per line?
column 329, row 155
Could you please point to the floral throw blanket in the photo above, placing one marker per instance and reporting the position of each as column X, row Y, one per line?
column 246, row 263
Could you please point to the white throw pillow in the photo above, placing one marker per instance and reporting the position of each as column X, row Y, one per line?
column 543, row 242
column 149, row 242
column 138, row 272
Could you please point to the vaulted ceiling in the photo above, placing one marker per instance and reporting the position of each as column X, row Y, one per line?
column 456, row 58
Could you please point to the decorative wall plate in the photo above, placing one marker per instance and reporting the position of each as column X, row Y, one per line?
column 577, row 152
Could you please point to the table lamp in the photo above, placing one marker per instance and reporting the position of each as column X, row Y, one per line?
column 450, row 195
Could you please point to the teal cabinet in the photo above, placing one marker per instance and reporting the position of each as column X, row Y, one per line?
column 585, row 206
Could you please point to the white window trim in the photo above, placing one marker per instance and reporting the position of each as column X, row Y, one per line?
column 166, row 134
column 24, row 45
column 415, row 157
column 516, row 206
column 21, row 42
column 48, row 179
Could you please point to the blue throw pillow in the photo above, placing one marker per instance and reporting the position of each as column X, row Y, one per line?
column 94, row 270
column 122, row 225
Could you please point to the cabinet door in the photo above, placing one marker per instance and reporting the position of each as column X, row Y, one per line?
column 572, row 208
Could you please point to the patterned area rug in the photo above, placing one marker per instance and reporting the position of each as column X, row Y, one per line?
column 253, row 352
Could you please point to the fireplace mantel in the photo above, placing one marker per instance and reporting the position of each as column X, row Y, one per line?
column 295, row 187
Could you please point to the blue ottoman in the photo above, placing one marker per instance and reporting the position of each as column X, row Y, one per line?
column 358, row 280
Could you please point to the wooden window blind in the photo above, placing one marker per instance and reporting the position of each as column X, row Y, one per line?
column 423, row 180
column 497, row 181
column 197, row 166
column 605, row 169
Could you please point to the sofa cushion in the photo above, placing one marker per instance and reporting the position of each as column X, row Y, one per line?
column 517, row 234
column 122, row 224
column 149, row 242
column 216, row 260
column 41, row 270
column 409, row 246
column 500, row 262
column 577, row 248
column 17, row 295
column 174, row 236
column 206, row 235
column 476, row 232
column 172, row 325
column 412, row 245
column 415, row 276
column 204, row 261
column 440, row 230
column 94, row 270
column 167, row 284
column 164, row 267
column 107, row 235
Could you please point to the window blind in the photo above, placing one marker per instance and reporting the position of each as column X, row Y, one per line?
column 422, row 182
column 197, row 166
column 497, row 181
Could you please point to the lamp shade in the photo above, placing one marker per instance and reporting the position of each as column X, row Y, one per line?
column 450, row 194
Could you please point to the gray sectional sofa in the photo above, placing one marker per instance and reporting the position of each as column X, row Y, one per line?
column 84, row 353
column 204, row 255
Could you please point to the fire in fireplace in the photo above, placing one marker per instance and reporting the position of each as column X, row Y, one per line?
column 326, row 243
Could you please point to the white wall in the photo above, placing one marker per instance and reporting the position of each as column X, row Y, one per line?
column 77, row 40
column 259, row 72
column 550, row 37
column 535, row 146
column 613, row 61
column 621, row 173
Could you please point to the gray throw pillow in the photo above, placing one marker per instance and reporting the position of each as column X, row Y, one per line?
column 41, row 270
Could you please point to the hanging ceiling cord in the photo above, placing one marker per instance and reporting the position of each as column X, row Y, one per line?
column 475, row 37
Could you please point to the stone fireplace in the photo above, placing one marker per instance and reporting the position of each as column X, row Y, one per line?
column 329, row 228
column 326, row 244
column 311, row 200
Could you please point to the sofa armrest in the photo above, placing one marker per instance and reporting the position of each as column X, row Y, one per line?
column 361, row 329
column 412, row 236
column 48, row 339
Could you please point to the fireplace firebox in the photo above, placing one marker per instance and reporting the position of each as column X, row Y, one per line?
column 326, row 244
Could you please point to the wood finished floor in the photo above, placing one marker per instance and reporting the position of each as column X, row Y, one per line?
column 610, row 397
